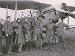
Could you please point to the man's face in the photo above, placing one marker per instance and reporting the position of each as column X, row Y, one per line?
column 60, row 21
column 25, row 20
column 19, row 20
column 50, row 21
column 8, row 19
column 39, row 20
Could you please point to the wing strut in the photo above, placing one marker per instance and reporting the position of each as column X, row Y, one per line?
column 15, row 16
column 7, row 12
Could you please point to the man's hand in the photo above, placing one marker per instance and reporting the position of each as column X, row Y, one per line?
column 2, row 29
column 7, row 35
column 67, row 28
column 72, row 14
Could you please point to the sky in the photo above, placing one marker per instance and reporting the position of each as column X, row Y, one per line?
column 55, row 3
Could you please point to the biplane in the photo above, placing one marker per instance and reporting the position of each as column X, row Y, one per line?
column 25, row 4
column 46, row 10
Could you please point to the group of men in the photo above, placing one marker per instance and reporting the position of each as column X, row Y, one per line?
column 22, row 30
column 29, row 30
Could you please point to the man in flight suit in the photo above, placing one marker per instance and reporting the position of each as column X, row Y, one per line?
column 60, row 30
column 50, row 33
column 37, row 32
column 8, row 32
column 1, row 26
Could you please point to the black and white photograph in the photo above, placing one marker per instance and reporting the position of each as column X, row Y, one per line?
column 37, row 27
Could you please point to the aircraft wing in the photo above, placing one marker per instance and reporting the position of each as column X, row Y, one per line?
column 22, row 4
column 71, row 8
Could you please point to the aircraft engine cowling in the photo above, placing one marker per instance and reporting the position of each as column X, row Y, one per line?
column 62, row 14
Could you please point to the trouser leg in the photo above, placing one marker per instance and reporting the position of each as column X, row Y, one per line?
column 39, row 41
column 48, row 41
column 0, row 44
column 50, row 38
column 9, row 43
column 61, row 42
column 20, row 48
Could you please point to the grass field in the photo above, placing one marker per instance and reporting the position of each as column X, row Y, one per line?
column 68, row 51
